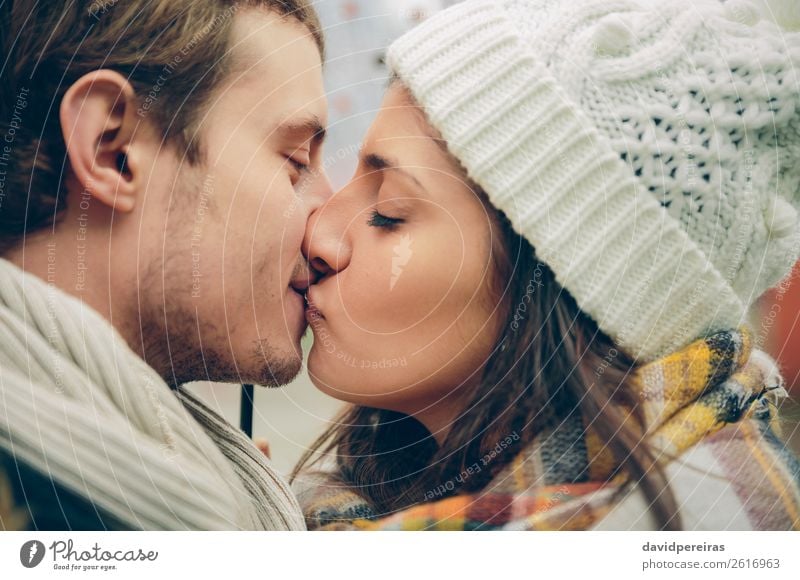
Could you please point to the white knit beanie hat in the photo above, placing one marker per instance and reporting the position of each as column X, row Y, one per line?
column 648, row 149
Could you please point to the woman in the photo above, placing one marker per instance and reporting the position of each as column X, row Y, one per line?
column 534, row 291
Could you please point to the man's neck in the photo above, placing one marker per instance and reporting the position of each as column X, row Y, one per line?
column 75, row 260
column 67, row 264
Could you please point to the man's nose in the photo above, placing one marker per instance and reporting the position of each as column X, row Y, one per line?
column 320, row 193
column 327, row 245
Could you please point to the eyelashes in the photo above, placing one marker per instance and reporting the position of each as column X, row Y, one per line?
column 300, row 170
column 378, row 220
column 299, row 166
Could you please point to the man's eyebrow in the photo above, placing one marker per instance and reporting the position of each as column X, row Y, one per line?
column 311, row 128
column 377, row 162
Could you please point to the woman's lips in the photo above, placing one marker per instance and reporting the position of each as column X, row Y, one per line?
column 312, row 310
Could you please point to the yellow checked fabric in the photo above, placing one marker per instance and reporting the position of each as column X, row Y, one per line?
column 713, row 401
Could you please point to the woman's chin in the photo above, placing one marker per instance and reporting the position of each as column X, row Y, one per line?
column 329, row 382
column 323, row 376
column 334, row 391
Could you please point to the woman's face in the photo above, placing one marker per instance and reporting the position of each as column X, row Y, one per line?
column 404, row 314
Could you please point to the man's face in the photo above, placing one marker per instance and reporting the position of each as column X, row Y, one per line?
column 218, row 298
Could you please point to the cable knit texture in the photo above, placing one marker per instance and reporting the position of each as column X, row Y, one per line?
column 77, row 405
column 648, row 150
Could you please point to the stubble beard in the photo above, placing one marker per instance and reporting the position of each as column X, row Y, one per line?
column 177, row 342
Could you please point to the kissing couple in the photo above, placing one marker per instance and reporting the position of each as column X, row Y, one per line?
column 535, row 294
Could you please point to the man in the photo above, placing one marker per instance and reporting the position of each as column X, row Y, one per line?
column 159, row 159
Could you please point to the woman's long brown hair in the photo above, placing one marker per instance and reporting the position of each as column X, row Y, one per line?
column 549, row 363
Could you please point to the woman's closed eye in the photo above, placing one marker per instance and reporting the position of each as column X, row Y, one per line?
column 378, row 220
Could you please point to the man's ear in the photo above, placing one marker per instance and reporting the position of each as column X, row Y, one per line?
column 98, row 120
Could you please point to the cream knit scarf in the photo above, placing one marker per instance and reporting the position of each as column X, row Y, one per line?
column 78, row 405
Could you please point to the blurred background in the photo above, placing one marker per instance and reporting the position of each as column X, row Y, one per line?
column 357, row 33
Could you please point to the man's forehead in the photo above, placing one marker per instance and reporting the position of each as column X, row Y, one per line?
column 260, row 37
column 276, row 74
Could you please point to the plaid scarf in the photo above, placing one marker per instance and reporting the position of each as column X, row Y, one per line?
column 710, row 417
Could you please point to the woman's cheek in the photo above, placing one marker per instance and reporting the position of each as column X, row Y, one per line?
column 377, row 285
column 401, row 281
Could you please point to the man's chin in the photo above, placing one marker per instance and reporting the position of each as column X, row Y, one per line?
column 272, row 366
column 278, row 372
column 265, row 366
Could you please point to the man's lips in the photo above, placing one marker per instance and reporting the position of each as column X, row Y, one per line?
column 300, row 283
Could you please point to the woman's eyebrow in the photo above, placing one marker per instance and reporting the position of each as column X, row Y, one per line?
column 377, row 162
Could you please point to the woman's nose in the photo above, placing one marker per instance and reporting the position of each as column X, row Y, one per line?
column 326, row 244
